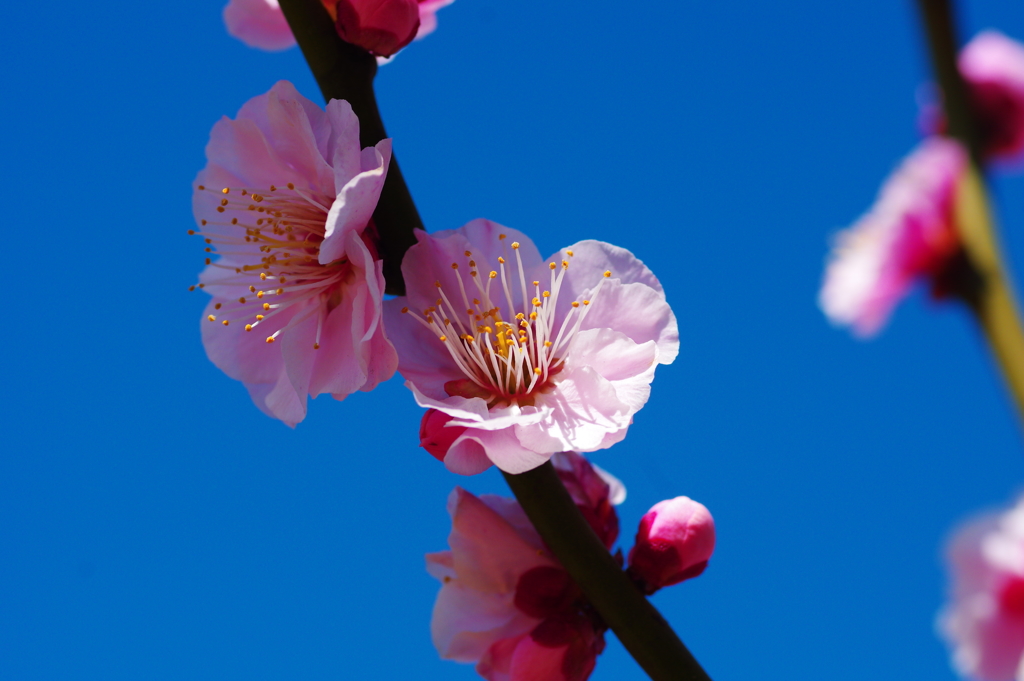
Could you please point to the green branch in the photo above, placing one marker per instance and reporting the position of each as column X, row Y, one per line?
column 990, row 292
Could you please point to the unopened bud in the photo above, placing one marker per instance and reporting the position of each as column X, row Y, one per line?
column 674, row 542
column 434, row 436
column 381, row 27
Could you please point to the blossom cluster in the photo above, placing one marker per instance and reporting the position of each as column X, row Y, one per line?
column 517, row 359
column 507, row 604
column 910, row 234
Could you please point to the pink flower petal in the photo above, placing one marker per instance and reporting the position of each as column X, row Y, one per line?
column 259, row 24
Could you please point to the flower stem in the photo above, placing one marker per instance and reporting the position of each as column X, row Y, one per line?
column 344, row 71
column 638, row 625
column 991, row 297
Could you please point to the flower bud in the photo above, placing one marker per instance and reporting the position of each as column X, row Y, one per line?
column 381, row 27
column 434, row 436
column 674, row 542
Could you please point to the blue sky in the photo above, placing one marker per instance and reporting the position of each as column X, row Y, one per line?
column 155, row 525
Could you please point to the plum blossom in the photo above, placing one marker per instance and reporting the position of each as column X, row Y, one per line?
column 674, row 542
column 381, row 27
column 983, row 621
column 505, row 602
column 284, row 205
column 907, row 235
column 259, row 23
column 527, row 357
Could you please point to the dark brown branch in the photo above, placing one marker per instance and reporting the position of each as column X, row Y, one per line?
column 638, row 625
column 344, row 71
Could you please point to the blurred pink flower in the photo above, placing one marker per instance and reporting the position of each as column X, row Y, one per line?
column 259, row 23
column 907, row 235
column 993, row 66
column 285, row 199
column 674, row 542
column 984, row 619
column 528, row 368
column 386, row 25
column 505, row 602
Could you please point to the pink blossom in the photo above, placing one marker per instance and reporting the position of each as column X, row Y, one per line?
column 984, row 619
column 907, row 235
column 674, row 542
column 505, row 601
column 261, row 23
column 530, row 356
column 993, row 66
column 285, row 199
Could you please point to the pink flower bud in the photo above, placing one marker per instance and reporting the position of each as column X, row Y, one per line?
column 381, row 27
column 434, row 436
column 674, row 542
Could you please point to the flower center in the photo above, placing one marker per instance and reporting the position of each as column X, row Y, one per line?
column 269, row 243
column 507, row 354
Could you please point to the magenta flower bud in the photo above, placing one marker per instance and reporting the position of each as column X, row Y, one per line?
column 674, row 542
column 381, row 27
column 435, row 437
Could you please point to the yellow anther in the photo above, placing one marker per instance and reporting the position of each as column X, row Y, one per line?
column 520, row 316
column 468, row 338
column 225, row 190
column 607, row 273
column 586, row 302
column 569, row 253
column 191, row 232
column 211, row 318
column 536, row 302
column 252, row 289
column 493, row 274
column 316, row 346
column 266, row 306
column 273, row 188
column 500, row 236
column 472, row 273
column 259, row 318
column 248, row 327
column 501, row 260
column 565, row 264
column 537, row 371
column 575, row 304
column 515, row 245
column 217, row 306
column 263, row 276
column 234, row 221
column 291, row 186
column 223, row 202
column 447, row 322
column 242, row 300
column 552, row 265
column 547, row 344
column 546, row 294
column 442, row 338
column 270, row 339
column 533, row 315
column 468, row 254
column 281, row 279
column 455, row 265
column 472, row 263
column 225, row 322
column 536, row 283
column 220, row 209
column 405, row 310
column 201, row 188
column 280, row 291
column 437, row 284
